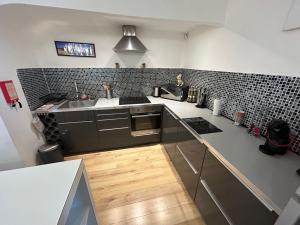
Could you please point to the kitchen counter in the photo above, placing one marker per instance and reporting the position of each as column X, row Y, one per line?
column 272, row 179
column 39, row 195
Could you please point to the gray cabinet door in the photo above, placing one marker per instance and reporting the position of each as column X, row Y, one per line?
column 188, row 174
column 114, row 137
column 189, row 159
column 78, row 131
column 236, row 201
column 169, row 132
column 114, row 128
column 78, row 136
column 191, row 147
column 207, row 206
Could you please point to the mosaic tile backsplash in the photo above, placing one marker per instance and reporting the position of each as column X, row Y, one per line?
column 262, row 97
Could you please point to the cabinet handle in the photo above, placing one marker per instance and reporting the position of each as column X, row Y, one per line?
column 84, row 121
column 118, row 128
column 187, row 160
column 111, row 114
column 213, row 197
column 120, row 118
column 146, row 115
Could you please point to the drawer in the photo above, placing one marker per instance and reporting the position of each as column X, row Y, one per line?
column 65, row 117
column 238, row 203
column 194, row 151
column 113, row 123
column 207, row 207
column 114, row 138
column 186, row 171
column 111, row 113
column 191, row 147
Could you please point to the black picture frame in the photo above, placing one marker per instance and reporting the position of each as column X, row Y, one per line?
column 75, row 49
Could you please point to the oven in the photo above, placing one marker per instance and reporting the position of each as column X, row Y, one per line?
column 145, row 120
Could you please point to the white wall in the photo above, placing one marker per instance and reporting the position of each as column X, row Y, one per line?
column 27, row 37
column 40, row 26
column 252, row 41
column 203, row 11
column 10, row 158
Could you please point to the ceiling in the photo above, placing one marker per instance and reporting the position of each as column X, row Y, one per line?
column 58, row 16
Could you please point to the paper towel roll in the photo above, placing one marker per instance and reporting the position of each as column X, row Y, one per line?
column 217, row 107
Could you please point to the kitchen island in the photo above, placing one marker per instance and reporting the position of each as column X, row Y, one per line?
column 50, row 194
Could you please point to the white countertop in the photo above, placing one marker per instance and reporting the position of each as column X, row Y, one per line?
column 36, row 195
column 273, row 178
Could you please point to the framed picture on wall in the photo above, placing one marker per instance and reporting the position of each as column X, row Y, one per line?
column 76, row 49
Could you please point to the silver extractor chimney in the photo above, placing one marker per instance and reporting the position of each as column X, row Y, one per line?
column 129, row 42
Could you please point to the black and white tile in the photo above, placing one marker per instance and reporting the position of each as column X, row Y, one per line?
column 123, row 81
column 262, row 97
column 34, row 85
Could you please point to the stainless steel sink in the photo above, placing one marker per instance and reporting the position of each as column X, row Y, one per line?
column 78, row 104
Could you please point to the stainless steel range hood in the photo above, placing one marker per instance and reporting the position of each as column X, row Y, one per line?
column 129, row 42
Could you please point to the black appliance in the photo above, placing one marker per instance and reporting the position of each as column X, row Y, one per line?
column 130, row 100
column 278, row 138
column 201, row 126
column 173, row 92
column 145, row 120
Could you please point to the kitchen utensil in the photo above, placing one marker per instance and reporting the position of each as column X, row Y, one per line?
column 238, row 117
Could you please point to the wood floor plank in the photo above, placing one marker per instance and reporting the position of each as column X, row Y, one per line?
column 137, row 196
column 138, row 185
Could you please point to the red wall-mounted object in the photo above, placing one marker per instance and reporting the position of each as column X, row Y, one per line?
column 9, row 91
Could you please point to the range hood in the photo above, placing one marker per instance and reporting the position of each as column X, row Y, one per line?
column 129, row 42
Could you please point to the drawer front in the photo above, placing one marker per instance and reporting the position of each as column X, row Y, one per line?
column 111, row 113
column 187, row 173
column 241, row 206
column 194, row 152
column 65, row 117
column 208, row 208
column 114, row 138
column 113, row 123
column 78, row 137
column 191, row 147
column 169, row 132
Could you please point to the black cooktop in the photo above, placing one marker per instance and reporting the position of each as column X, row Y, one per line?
column 133, row 100
column 201, row 126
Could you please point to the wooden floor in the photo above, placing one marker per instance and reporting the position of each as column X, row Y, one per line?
column 138, row 186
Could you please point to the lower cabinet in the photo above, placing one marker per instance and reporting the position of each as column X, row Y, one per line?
column 78, row 136
column 114, row 137
column 187, row 172
column 209, row 210
column 113, row 128
column 223, row 199
column 169, row 126
column 78, row 131
column 188, row 159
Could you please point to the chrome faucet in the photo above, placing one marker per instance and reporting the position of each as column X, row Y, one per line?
column 76, row 89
